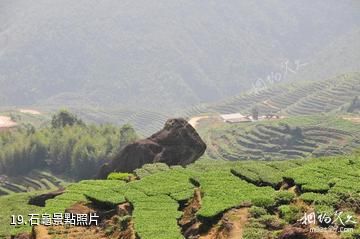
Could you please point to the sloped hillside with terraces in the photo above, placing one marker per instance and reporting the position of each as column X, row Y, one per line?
column 34, row 181
column 298, row 98
column 292, row 138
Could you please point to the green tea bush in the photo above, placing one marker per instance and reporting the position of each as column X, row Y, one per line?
column 290, row 213
column 120, row 176
column 284, row 197
column 257, row 212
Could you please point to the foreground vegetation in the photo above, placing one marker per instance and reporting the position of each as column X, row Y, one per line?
column 276, row 193
column 321, row 184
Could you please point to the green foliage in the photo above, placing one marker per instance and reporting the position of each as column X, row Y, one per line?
column 64, row 118
column 327, row 175
column 257, row 212
column 271, row 221
column 127, row 135
column 355, row 234
column 254, row 232
column 124, row 222
column 260, row 174
column 74, row 149
column 15, row 204
column 177, row 181
column 148, row 169
column 158, row 194
column 284, row 197
column 120, row 176
column 290, row 213
column 164, row 223
column 222, row 190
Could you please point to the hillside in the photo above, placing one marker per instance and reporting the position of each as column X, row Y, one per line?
column 290, row 138
column 168, row 119
column 34, row 181
column 145, row 54
column 335, row 58
column 295, row 99
column 193, row 201
column 24, row 117
column 286, row 99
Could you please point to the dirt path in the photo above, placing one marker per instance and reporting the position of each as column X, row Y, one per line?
column 240, row 217
column 267, row 103
column 30, row 111
column 6, row 122
column 195, row 120
column 352, row 119
column 231, row 225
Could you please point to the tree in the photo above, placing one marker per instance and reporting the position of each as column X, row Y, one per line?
column 355, row 104
column 255, row 113
column 84, row 159
column 127, row 135
column 65, row 118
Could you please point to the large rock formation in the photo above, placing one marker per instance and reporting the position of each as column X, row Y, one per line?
column 177, row 143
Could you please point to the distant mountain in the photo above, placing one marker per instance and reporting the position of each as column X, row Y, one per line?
column 339, row 56
column 161, row 55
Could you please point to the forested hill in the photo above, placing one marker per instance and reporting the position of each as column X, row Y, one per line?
column 68, row 147
column 142, row 54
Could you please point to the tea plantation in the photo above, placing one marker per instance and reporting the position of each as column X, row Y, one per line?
column 327, row 183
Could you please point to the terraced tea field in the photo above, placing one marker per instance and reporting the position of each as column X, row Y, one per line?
column 35, row 181
column 158, row 198
column 290, row 99
column 290, row 138
column 287, row 99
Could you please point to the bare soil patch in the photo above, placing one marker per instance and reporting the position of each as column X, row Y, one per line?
column 195, row 120
column 6, row 122
column 352, row 119
column 231, row 226
column 30, row 111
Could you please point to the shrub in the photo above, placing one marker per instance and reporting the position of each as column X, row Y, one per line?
column 272, row 222
column 254, row 233
column 263, row 201
column 257, row 211
column 284, row 197
column 120, row 176
column 124, row 222
column 290, row 213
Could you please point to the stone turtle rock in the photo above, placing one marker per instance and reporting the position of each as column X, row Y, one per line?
column 177, row 143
